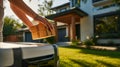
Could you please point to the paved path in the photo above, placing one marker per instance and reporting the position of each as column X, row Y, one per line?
column 103, row 47
column 64, row 43
column 92, row 47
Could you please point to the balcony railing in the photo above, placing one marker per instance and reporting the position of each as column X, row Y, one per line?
column 102, row 2
column 96, row 1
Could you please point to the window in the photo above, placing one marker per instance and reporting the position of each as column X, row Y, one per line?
column 108, row 26
column 62, row 9
column 75, row 3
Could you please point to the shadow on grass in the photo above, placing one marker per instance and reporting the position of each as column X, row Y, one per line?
column 112, row 54
column 83, row 63
column 105, row 63
column 71, row 47
column 64, row 64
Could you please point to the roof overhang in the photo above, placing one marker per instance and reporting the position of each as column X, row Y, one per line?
column 57, row 7
column 65, row 16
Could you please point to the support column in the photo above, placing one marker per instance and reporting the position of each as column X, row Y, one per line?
column 68, row 31
column 56, row 31
column 72, row 28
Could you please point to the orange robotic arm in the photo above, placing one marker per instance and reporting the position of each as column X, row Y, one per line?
column 38, row 31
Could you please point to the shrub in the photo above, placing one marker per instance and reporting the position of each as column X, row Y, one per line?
column 75, row 42
column 67, row 37
column 50, row 40
column 88, row 42
column 110, row 42
column 10, row 26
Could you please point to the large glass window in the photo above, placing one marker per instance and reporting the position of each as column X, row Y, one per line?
column 107, row 26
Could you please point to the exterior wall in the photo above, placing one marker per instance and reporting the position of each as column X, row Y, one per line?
column 11, row 38
column 97, row 11
column 87, row 22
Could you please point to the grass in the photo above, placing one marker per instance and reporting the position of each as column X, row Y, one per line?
column 76, row 57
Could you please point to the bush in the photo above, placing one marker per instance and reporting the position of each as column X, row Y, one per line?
column 50, row 40
column 75, row 42
column 110, row 42
column 88, row 42
column 10, row 26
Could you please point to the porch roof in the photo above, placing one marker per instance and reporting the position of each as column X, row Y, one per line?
column 65, row 16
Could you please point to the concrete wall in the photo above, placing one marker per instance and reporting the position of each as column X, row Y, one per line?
column 86, row 23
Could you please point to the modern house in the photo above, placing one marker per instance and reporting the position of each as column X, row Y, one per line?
column 93, row 18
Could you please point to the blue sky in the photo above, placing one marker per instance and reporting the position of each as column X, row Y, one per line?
column 33, row 4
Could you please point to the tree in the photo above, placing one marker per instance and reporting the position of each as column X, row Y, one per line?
column 1, row 18
column 45, row 8
column 10, row 26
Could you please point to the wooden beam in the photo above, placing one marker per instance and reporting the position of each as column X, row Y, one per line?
column 64, row 19
column 72, row 29
column 67, row 18
column 68, row 30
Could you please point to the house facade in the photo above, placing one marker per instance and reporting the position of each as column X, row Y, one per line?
column 93, row 18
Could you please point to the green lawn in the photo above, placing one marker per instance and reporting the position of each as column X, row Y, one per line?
column 76, row 57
